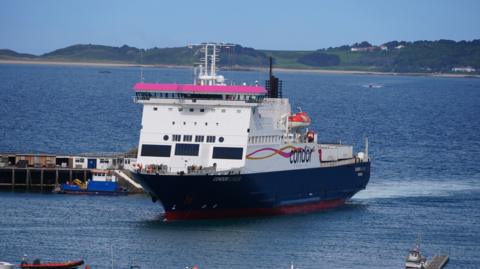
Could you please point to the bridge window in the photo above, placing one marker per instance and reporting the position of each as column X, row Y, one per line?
column 187, row 149
column 227, row 153
column 199, row 138
column 210, row 139
column 187, row 138
column 156, row 150
column 176, row 137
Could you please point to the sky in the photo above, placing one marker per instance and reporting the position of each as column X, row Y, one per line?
column 41, row 26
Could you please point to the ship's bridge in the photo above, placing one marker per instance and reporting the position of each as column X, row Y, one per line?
column 144, row 92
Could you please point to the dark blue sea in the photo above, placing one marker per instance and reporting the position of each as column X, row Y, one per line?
column 424, row 135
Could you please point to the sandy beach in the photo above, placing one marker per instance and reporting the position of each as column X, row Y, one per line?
column 319, row 71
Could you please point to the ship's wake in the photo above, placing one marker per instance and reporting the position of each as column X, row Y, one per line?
column 416, row 188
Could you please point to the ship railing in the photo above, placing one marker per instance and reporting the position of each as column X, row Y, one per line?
column 211, row 170
column 153, row 169
column 341, row 162
column 296, row 138
column 200, row 170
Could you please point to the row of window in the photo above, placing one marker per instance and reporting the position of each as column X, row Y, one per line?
column 198, row 138
column 81, row 160
column 200, row 109
column 194, row 97
column 231, row 153
column 195, row 123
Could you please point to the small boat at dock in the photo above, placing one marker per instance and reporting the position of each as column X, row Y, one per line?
column 103, row 182
column 51, row 265
column 415, row 259
column 6, row 265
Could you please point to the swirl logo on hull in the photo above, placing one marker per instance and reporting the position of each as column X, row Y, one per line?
column 295, row 154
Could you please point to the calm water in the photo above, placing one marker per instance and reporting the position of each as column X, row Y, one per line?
column 424, row 142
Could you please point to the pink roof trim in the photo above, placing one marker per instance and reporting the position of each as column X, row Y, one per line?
column 141, row 86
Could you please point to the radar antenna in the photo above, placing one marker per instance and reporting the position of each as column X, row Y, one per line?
column 207, row 69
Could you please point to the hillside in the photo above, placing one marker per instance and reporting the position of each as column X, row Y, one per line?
column 6, row 54
column 95, row 53
column 412, row 57
column 394, row 56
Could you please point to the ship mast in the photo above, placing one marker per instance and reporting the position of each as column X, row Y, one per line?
column 207, row 74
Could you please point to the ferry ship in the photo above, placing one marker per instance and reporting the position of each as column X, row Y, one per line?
column 215, row 150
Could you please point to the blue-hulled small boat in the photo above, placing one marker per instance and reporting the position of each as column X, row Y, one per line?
column 103, row 182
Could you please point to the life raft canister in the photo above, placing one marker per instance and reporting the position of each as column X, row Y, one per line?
column 299, row 119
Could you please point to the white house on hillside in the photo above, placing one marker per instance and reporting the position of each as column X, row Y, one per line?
column 466, row 69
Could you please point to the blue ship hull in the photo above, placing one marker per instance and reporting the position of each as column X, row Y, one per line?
column 272, row 193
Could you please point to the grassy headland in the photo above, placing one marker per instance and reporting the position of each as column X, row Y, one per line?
column 425, row 57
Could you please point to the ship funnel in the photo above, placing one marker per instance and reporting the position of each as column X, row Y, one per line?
column 273, row 84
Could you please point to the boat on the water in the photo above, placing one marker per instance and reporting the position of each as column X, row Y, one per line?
column 51, row 265
column 213, row 150
column 6, row 265
column 373, row 86
column 415, row 260
column 103, row 182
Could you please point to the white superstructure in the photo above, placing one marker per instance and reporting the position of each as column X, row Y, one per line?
column 211, row 127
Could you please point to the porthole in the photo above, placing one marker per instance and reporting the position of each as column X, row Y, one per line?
column 165, row 137
column 221, row 139
column 173, row 123
column 184, row 123
column 155, row 108
column 206, row 123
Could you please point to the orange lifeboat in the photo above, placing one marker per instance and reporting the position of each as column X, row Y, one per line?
column 300, row 119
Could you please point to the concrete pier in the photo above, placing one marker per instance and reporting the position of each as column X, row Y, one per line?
column 44, row 172
column 38, row 179
column 46, row 179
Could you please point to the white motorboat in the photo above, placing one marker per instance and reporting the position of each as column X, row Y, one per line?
column 6, row 265
column 415, row 259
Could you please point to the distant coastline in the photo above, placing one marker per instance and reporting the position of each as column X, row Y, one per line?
column 282, row 69
column 445, row 58
column 100, row 64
